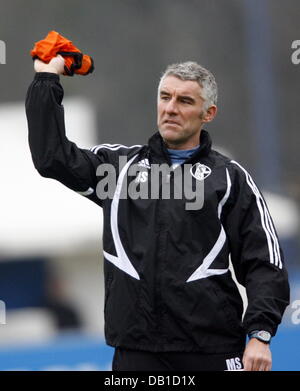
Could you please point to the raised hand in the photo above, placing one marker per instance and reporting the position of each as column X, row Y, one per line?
column 56, row 65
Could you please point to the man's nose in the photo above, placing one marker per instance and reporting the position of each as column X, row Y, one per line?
column 171, row 107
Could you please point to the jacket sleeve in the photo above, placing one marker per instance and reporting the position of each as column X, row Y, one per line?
column 53, row 155
column 256, row 254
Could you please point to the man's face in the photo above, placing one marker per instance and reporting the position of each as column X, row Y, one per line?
column 180, row 112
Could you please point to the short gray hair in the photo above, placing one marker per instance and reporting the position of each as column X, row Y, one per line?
column 192, row 71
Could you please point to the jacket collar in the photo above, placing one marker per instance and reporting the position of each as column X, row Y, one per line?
column 159, row 152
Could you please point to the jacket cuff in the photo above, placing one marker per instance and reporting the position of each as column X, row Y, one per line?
column 46, row 75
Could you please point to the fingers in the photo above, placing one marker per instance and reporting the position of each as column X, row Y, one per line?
column 56, row 65
column 248, row 363
column 257, row 362
column 265, row 365
column 38, row 65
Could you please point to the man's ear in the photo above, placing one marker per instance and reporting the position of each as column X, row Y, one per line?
column 210, row 114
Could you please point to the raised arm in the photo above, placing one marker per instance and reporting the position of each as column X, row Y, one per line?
column 53, row 155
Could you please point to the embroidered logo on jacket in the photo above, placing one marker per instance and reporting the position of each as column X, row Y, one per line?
column 144, row 163
column 200, row 171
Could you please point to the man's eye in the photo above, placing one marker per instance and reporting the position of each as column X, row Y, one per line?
column 164, row 97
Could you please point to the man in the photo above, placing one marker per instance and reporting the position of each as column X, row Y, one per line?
column 170, row 300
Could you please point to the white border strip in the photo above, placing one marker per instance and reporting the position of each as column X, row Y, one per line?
column 203, row 270
column 112, row 147
column 266, row 220
column 88, row 192
column 121, row 261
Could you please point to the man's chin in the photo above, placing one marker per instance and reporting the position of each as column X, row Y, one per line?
column 171, row 135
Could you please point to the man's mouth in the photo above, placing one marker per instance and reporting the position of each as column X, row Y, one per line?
column 171, row 122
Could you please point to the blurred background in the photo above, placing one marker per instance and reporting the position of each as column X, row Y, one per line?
column 51, row 279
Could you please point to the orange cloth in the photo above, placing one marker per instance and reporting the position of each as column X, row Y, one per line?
column 54, row 44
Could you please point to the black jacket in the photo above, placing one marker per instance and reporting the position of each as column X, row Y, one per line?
column 167, row 282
